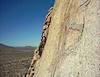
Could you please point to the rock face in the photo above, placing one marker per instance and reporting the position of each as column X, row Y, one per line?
column 70, row 44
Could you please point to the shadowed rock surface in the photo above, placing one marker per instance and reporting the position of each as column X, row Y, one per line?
column 72, row 47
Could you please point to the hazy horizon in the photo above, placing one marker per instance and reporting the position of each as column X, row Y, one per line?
column 17, row 46
column 21, row 21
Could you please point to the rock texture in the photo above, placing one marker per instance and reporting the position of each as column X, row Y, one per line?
column 70, row 44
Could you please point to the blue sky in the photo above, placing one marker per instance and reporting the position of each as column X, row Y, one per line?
column 21, row 21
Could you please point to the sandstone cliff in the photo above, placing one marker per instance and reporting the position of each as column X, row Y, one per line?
column 70, row 44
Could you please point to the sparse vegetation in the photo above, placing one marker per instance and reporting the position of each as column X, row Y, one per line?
column 14, row 63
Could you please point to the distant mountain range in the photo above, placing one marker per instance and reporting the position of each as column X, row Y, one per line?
column 5, row 48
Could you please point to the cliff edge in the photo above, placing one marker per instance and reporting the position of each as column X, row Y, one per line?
column 70, row 42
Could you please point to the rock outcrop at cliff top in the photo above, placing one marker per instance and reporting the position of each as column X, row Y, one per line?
column 70, row 44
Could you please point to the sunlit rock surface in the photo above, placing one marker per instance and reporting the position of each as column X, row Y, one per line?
column 72, row 48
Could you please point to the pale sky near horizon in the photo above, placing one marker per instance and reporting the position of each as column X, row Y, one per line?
column 21, row 21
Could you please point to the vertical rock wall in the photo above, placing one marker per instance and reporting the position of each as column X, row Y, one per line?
column 72, row 48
